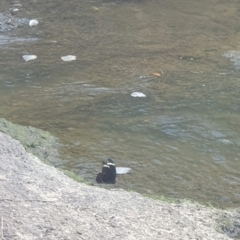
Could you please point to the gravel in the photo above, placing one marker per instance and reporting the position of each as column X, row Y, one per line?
column 40, row 202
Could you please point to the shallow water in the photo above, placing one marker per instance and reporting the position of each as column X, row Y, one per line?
column 182, row 140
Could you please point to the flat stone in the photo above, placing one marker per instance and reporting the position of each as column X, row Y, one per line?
column 122, row 170
column 29, row 57
column 138, row 94
column 68, row 58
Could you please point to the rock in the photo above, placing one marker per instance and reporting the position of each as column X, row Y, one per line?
column 234, row 57
column 33, row 22
column 40, row 202
column 95, row 8
column 36, row 141
column 138, row 94
column 29, row 57
column 68, row 58
column 123, row 170
column 13, row 10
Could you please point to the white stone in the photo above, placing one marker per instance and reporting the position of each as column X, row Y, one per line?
column 29, row 57
column 33, row 22
column 138, row 94
column 68, row 58
column 14, row 9
column 122, row 170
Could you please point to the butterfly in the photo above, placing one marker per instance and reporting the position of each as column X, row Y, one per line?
column 108, row 174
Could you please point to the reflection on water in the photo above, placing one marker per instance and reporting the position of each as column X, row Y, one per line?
column 182, row 140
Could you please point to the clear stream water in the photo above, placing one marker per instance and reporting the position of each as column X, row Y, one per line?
column 182, row 140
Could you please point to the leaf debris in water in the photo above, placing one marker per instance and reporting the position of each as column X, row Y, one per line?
column 156, row 74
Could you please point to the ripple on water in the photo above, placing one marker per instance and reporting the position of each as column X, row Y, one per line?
column 4, row 40
column 218, row 158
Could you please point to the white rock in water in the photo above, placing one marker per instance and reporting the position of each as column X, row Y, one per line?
column 122, row 170
column 68, row 58
column 33, row 22
column 138, row 94
column 14, row 9
column 29, row 57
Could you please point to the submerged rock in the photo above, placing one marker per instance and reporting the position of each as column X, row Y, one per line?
column 13, row 10
column 234, row 57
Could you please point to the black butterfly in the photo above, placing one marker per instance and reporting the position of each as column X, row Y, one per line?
column 108, row 174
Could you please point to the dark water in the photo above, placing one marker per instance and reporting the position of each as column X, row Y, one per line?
column 182, row 140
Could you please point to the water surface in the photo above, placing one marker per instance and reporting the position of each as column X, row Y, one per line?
column 182, row 140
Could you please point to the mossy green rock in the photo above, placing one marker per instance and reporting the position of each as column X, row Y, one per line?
column 36, row 141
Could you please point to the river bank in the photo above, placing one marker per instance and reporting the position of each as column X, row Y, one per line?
column 40, row 202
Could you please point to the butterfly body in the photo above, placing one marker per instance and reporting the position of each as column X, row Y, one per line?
column 108, row 174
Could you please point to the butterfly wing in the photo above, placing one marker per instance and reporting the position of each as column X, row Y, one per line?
column 112, row 173
column 108, row 174
column 99, row 178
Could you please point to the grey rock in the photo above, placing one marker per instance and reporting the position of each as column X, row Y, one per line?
column 36, row 141
column 40, row 202
column 234, row 56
